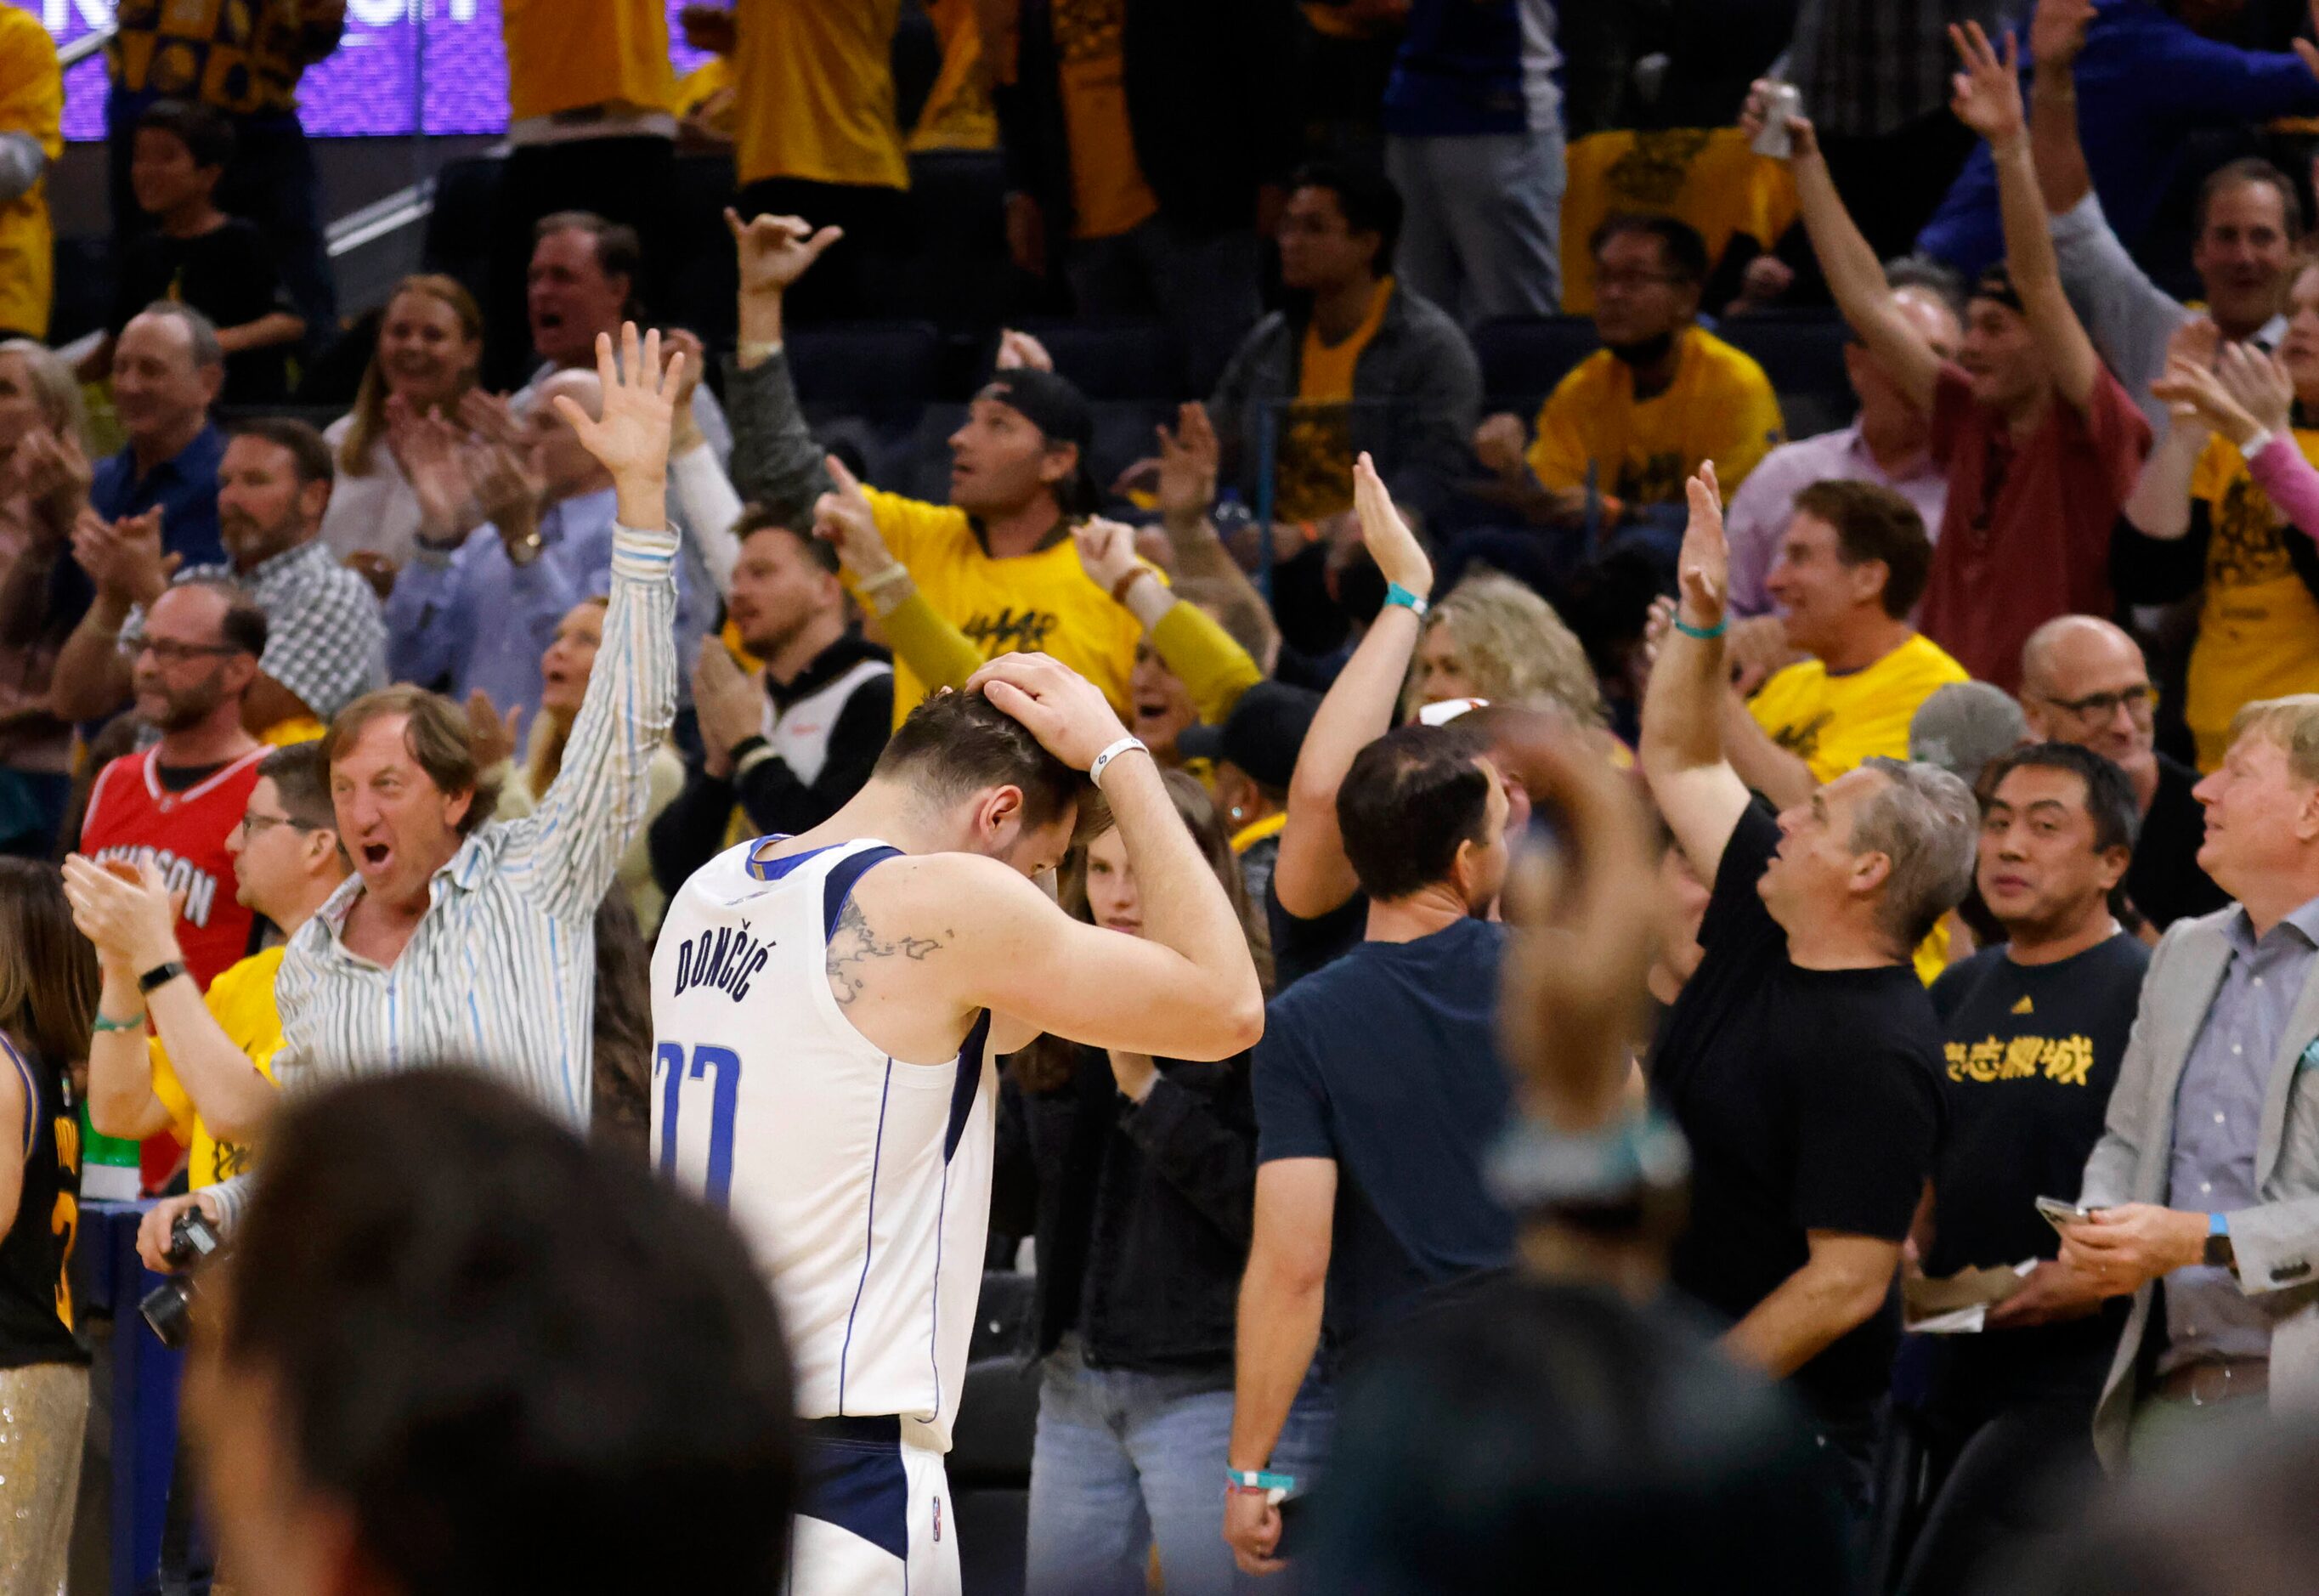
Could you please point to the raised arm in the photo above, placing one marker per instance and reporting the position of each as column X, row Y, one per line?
column 1988, row 100
column 1680, row 749
column 776, row 463
column 597, row 803
column 1187, row 988
column 921, row 637
column 1313, row 875
column 2057, row 33
column 1215, row 671
column 134, row 928
column 1847, row 259
column 2160, row 505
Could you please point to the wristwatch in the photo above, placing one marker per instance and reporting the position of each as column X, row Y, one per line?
column 2220, row 1254
column 161, row 975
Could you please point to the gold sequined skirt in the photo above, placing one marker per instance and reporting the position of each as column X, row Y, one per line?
column 43, row 1407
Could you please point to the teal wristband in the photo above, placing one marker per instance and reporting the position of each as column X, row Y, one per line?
column 1253, row 1479
column 102, row 1024
column 2218, row 1224
column 1394, row 593
column 1705, row 635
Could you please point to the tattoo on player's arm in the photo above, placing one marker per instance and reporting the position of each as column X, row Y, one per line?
column 853, row 944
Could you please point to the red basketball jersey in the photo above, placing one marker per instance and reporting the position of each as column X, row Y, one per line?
column 131, row 817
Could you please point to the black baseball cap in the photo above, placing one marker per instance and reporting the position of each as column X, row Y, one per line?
column 1055, row 405
column 1262, row 735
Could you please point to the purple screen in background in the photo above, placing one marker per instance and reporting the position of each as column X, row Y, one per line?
column 366, row 88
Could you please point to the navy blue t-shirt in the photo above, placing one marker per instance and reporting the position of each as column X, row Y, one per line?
column 1386, row 1061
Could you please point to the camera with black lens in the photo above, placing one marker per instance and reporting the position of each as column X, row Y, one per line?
column 169, row 1307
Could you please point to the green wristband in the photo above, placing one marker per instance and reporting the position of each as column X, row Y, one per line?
column 1704, row 633
column 102, row 1025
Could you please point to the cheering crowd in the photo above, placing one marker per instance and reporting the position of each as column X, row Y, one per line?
column 1748, row 998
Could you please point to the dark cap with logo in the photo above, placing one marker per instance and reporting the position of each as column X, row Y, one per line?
column 1262, row 735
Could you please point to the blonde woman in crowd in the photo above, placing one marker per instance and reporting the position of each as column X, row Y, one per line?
column 45, row 451
column 430, row 343
column 1494, row 638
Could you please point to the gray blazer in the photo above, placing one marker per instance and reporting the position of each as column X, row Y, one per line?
column 2277, row 1242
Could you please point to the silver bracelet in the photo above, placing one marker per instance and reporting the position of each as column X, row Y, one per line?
column 1102, row 760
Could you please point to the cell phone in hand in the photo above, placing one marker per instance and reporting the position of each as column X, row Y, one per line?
column 2061, row 1215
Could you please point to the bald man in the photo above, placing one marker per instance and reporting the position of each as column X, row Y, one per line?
column 479, row 604
column 2084, row 680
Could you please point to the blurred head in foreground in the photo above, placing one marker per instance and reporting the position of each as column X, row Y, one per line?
column 456, row 1349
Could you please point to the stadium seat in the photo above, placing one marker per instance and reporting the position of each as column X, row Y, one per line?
column 867, row 367
column 990, row 1470
column 1111, row 359
column 1802, row 352
column 702, row 279
column 957, row 273
column 1524, row 357
column 458, row 239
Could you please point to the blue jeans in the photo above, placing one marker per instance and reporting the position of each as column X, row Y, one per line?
column 1125, row 1461
column 1482, row 236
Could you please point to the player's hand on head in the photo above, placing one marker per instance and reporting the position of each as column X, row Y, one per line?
column 1063, row 709
column 1400, row 558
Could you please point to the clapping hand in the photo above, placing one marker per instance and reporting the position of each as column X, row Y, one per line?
column 124, row 558
column 431, row 453
column 132, row 923
column 630, row 440
column 51, row 470
column 488, row 417
column 728, row 702
column 2246, row 393
column 1189, row 463
column 1986, row 94
column 491, row 737
column 1400, row 558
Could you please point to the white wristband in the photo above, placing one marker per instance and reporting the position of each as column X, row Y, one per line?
column 2255, row 444
column 1102, row 760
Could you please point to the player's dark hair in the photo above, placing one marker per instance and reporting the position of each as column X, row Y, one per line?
column 435, row 733
column 2109, row 792
column 1411, row 797
column 206, row 136
column 1370, row 202
column 310, row 456
column 958, row 743
column 1872, row 522
column 1681, row 248
column 1536, row 1414
column 759, row 517
column 520, row 1361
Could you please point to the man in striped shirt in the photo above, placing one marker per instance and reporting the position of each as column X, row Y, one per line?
column 458, row 938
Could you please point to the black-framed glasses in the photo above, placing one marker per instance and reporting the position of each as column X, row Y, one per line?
column 2140, row 701
column 253, row 824
column 170, row 650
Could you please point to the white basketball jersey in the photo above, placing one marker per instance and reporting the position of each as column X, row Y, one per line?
column 861, row 1184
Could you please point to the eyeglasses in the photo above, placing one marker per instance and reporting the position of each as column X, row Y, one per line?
column 2095, row 708
column 1633, row 278
column 170, row 650
column 253, row 822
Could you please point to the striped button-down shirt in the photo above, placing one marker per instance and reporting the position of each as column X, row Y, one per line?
column 501, row 971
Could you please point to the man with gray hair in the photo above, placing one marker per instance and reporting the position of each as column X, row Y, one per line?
column 2083, row 681
column 1802, row 1060
column 2207, row 1176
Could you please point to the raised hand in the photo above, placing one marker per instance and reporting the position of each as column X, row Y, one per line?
column 1986, row 94
column 492, row 736
column 2058, row 31
column 631, row 439
column 1019, row 351
column 132, row 922
column 1802, row 140
column 685, row 432
column 1189, row 463
column 1106, row 551
column 843, row 518
column 1063, row 709
column 1400, row 558
column 1703, row 566
column 775, row 251
column 2306, row 49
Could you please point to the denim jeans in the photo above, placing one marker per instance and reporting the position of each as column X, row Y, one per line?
column 1126, row 1460
column 1483, row 234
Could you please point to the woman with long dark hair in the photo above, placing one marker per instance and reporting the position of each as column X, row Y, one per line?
column 48, row 1001
column 1137, row 1179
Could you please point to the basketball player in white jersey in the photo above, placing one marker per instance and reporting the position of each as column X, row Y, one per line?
column 826, row 1011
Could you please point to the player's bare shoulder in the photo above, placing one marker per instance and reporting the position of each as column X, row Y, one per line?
column 908, row 928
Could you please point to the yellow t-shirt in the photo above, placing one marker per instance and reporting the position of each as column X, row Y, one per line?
column 236, row 55
column 241, row 1001
column 563, row 55
column 2258, row 625
column 1315, row 476
column 1833, row 722
column 1108, row 192
column 958, row 113
column 706, row 92
column 1707, row 177
column 815, row 84
column 32, row 101
column 1041, row 602
column 1720, row 407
